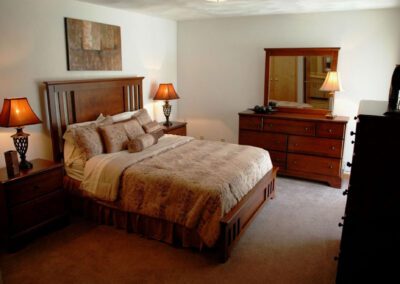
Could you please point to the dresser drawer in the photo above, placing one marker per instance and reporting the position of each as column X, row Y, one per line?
column 250, row 122
column 278, row 159
column 331, row 130
column 27, row 189
column 30, row 214
column 318, row 146
column 312, row 164
column 269, row 141
column 289, row 126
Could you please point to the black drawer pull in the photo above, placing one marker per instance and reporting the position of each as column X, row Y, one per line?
column 349, row 164
column 344, row 217
column 345, row 192
column 355, row 118
column 340, row 225
column 352, row 142
column 336, row 258
column 352, row 133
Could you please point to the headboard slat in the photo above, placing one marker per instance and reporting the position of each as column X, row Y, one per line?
column 83, row 100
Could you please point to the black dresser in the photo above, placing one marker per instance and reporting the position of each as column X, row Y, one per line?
column 370, row 244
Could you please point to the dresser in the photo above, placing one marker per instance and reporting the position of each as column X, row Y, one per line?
column 30, row 202
column 370, row 244
column 302, row 145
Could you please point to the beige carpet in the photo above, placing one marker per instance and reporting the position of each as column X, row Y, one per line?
column 292, row 240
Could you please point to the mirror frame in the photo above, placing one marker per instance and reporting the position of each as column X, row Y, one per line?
column 304, row 51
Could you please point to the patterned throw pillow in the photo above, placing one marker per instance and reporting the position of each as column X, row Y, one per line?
column 133, row 128
column 114, row 137
column 152, row 126
column 142, row 142
column 142, row 116
column 88, row 140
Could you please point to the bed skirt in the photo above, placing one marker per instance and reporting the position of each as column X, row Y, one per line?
column 106, row 213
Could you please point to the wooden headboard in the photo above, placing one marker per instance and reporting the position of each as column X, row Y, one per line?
column 83, row 100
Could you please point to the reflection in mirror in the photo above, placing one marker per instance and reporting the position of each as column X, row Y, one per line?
column 295, row 81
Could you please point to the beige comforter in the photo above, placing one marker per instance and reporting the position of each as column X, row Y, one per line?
column 193, row 184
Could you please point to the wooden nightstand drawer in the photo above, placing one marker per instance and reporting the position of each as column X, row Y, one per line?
column 38, row 211
column 177, row 128
column 36, row 185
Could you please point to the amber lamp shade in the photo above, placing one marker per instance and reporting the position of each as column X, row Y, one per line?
column 17, row 113
column 331, row 85
column 165, row 93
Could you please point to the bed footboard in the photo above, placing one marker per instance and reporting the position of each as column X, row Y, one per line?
column 237, row 220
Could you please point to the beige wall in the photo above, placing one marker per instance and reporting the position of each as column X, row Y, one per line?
column 32, row 50
column 221, row 63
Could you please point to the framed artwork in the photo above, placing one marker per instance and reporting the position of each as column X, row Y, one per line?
column 92, row 46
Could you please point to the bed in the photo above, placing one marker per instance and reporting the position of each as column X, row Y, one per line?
column 77, row 101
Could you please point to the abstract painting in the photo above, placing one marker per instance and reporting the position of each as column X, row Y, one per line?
column 92, row 46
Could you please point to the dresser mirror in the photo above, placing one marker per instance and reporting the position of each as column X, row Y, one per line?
column 294, row 76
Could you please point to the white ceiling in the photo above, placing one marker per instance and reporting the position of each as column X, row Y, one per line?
column 197, row 9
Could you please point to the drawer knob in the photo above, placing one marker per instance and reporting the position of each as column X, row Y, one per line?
column 296, row 144
column 349, row 164
column 345, row 192
column 344, row 217
column 294, row 162
column 333, row 148
column 352, row 142
column 352, row 133
column 336, row 258
column 330, row 130
column 306, row 128
column 340, row 225
column 355, row 118
column 330, row 166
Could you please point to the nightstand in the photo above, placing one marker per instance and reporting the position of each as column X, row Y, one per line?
column 30, row 202
column 177, row 128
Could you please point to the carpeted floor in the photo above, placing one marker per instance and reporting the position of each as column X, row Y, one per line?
column 292, row 240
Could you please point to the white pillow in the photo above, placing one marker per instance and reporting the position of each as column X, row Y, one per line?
column 123, row 115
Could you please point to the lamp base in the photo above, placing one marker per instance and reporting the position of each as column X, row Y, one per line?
column 167, row 123
column 330, row 115
column 21, row 145
column 25, row 165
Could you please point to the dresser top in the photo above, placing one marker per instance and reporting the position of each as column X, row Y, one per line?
column 297, row 116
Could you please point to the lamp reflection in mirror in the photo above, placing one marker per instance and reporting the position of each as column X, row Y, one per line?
column 17, row 113
column 331, row 84
column 165, row 93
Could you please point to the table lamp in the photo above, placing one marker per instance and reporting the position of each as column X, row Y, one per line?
column 165, row 93
column 331, row 85
column 17, row 113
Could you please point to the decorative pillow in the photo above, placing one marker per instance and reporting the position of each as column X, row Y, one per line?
column 89, row 140
column 69, row 133
column 133, row 128
column 158, row 134
column 123, row 116
column 114, row 137
column 142, row 142
column 152, row 126
column 142, row 116
column 85, row 138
